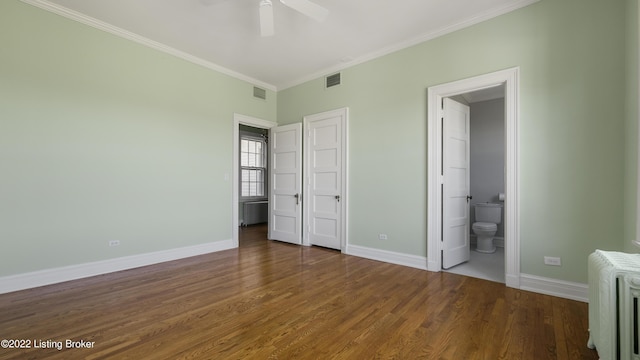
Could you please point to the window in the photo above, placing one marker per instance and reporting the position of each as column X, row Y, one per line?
column 252, row 167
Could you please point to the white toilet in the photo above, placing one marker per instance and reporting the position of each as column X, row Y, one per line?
column 488, row 216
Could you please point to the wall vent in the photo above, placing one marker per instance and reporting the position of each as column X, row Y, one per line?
column 259, row 93
column 333, row 80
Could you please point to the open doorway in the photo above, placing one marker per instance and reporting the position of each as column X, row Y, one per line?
column 485, row 164
column 509, row 79
column 251, row 190
column 253, row 207
column 254, row 155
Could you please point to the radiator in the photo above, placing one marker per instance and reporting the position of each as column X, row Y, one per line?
column 614, row 289
column 255, row 212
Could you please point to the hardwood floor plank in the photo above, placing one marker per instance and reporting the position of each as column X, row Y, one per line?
column 270, row 300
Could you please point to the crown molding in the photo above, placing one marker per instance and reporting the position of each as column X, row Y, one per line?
column 87, row 20
column 101, row 25
column 487, row 15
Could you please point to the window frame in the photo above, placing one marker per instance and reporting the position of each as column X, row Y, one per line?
column 264, row 168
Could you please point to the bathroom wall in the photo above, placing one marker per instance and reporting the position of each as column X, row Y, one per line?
column 487, row 153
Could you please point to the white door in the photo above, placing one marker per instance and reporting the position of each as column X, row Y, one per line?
column 285, row 185
column 455, row 189
column 325, row 161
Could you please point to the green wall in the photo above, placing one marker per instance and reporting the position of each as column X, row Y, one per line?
column 631, row 125
column 571, row 55
column 105, row 139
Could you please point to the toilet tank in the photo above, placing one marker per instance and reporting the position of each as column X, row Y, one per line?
column 488, row 212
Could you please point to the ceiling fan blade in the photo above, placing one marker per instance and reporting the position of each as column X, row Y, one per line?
column 308, row 8
column 266, row 18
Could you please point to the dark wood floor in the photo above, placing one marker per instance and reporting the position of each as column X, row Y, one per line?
column 269, row 300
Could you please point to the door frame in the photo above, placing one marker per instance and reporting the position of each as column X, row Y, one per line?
column 239, row 119
column 509, row 77
column 344, row 201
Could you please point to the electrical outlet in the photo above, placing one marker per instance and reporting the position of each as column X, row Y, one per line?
column 553, row 261
column 382, row 237
column 113, row 243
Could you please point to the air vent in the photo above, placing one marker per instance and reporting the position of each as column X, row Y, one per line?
column 333, row 80
column 259, row 93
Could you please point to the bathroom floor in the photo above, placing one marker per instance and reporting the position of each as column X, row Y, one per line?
column 483, row 266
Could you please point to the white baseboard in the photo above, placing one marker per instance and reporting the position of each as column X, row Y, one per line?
column 555, row 287
column 418, row 262
column 542, row 285
column 537, row 284
column 56, row 275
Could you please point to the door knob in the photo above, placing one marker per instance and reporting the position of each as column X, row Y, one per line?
column 338, row 198
column 469, row 197
column 297, row 196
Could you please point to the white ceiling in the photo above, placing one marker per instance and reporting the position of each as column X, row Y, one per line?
column 225, row 34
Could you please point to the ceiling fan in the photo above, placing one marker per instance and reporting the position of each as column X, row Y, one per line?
column 305, row 7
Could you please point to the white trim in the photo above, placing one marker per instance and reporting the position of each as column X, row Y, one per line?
column 57, row 275
column 235, row 198
column 101, row 25
column 559, row 288
column 509, row 77
column 541, row 285
column 344, row 202
column 414, row 261
column 487, row 15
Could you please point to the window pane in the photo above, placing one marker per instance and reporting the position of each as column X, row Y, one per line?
column 252, row 156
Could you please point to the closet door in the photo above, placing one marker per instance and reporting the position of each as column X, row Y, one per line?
column 325, row 166
column 285, row 187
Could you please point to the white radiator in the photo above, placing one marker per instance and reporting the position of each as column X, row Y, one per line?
column 614, row 289
column 255, row 212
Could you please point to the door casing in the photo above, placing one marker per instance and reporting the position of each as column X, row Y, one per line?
column 510, row 78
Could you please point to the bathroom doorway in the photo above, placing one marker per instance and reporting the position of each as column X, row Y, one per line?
column 507, row 80
column 486, row 180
